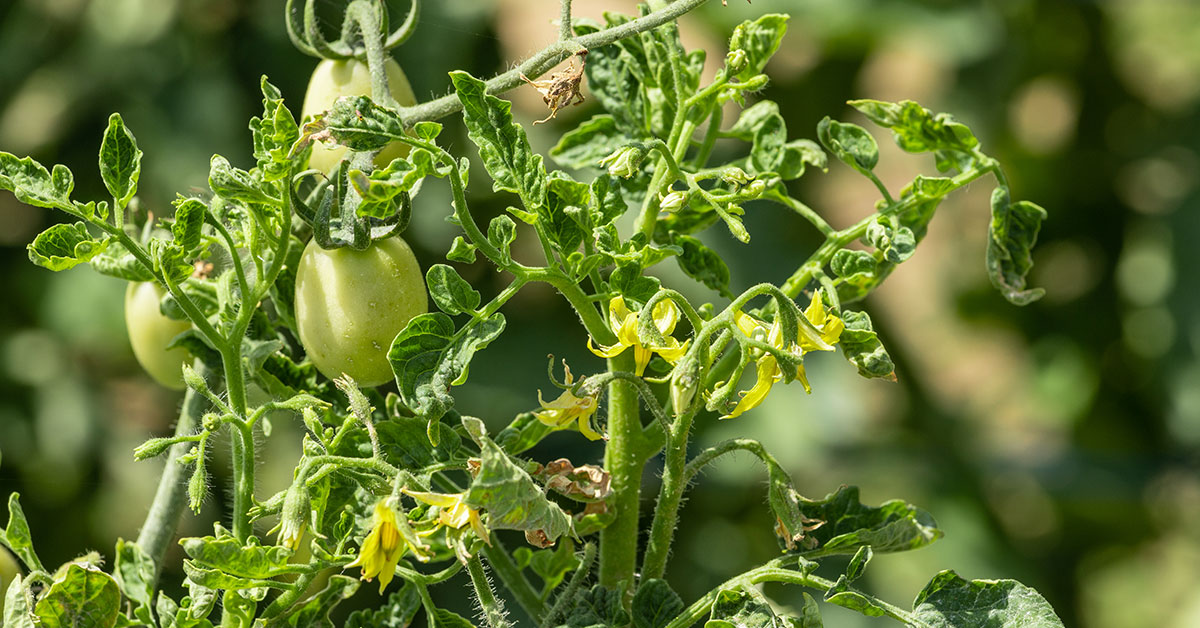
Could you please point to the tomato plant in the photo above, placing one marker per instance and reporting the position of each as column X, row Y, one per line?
column 150, row 331
column 398, row 484
column 351, row 304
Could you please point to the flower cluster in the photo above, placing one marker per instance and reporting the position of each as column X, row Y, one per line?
column 568, row 408
column 819, row 332
column 625, row 323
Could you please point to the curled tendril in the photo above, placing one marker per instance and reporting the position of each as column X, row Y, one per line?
column 305, row 32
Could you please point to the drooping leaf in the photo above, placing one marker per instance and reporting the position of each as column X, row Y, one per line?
column 358, row 124
column 397, row 612
column 502, row 143
column 236, row 184
column 315, row 610
column 429, row 356
column 116, row 261
column 703, row 264
column 597, row 606
column 1011, row 235
column 564, row 198
column 850, row 143
column 120, row 161
column 511, row 498
column 916, row 129
column 81, row 596
column 861, row 346
column 842, row 595
column 585, row 145
column 16, row 605
column 64, row 246
column 849, row 525
column 33, row 185
column 655, row 604
column 752, row 119
column 227, row 554
column 134, row 571
column 737, row 608
column 452, row 294
column 766, row 152
column 949, row 601
column 759, row 39
column 405, row 442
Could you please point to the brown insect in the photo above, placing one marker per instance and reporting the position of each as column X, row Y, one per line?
column 561, row 88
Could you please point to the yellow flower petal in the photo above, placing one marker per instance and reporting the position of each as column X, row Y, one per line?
column 767, row 373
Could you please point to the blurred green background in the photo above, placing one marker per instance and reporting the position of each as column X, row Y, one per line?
column 1056, row 444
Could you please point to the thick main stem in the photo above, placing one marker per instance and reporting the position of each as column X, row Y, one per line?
column 619, row 541
column 171, row 497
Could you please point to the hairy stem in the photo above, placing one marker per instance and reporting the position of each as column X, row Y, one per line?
column 619, row 541
column 493, row 610
column 514, row 580
column 171, row 497
column 670, row 495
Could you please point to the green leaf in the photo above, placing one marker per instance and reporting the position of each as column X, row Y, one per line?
column 405, row 442
column 752, row 119
column 597, row 606
column 29, row 181
column 861, row 346
column 894, row 526
column 855, row 266
column 65, row 246
column 429, row 356
column 217, row 579
column 120, row 161
column 655, row 604
column 523, row 433
column 229, row 555
column 858, row 564
column 797, row 156
column 613, row 78
column 357, row 123
column 736, row 608
column 502, row 143
column 563, row 197
column 511, row 498
column 1011, row 235
column 850, row 143
column 842, row 595
column 916, row 129
column 315, row 610
column 273, row 134
column 949, row 601
column 189, row 221
column 501, row 233
column 452, row 294
column 116, row 261
column 16, row 606
column 766, row 153
column 810, row 614
column 461, row 251
column 235, row 184
column 382, row 191
column 703, row 264
column 450, row 619
column 134, row 571
column 17, row 537
column 398, row 612
column 553, row 565
column 759, row 39
column 585, row 145
column 80, row 597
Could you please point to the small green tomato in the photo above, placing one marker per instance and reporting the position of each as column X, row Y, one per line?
column 351, row 304
column 334, row 79
column 150, row 332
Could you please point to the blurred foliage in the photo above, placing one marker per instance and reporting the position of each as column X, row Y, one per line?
column 1057, row 443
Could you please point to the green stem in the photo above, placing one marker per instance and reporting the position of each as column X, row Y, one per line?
column 619, row 541
column 170, row 499
column 367, row 16
column 493, row 610
column 243, row 477
column 564, row 26
column 670, row 495
column 514, row 580
column 568, row 594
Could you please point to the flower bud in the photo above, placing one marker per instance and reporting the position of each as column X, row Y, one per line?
column 685, row 381
column 624, row 162
column 736, row 176
column 756, row 188
column 755, row 83
column 736, row 60
column 673, row 201
column 293, row 520
column 152, row 448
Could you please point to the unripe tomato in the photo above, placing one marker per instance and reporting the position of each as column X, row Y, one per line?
column 8, row 571
column 335, row 79
column 351, row 304
column 150, row 332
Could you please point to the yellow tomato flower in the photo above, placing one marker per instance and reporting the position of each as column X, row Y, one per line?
column 453, row 511
column 384, row 546
column 625, row 324
column 828, row 328
column 569, row 408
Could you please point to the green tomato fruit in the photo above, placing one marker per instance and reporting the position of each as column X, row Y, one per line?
column 150, row 331
column 335, row 79
column 8, row 572
column 351, row 304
